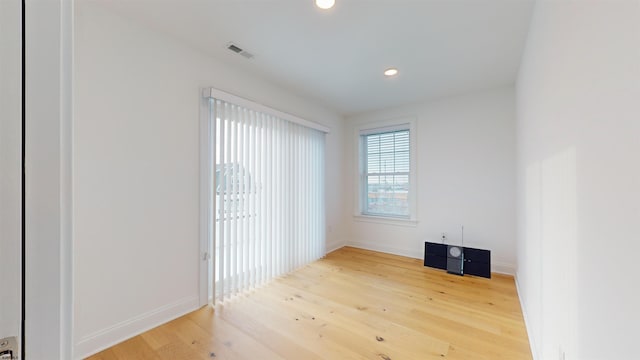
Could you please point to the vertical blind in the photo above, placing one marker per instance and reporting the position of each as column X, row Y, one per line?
column 386, row 173
column 269, row 198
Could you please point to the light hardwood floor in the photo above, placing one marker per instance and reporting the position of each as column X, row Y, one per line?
column 353, row 304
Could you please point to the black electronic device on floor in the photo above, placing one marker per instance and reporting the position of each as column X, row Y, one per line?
column 472, row 261
column 477, row 262
column 435, row 255
column 455, row 260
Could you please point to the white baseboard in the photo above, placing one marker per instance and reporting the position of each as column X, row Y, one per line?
column 496, row 267
column 386, row 249
column 333, row 247
column 527, row 322
column 105, row 338
column 503, row 268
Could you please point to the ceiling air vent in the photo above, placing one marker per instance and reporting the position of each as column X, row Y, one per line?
column 238, row 50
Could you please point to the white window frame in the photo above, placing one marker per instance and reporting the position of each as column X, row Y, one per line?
column 380, row 127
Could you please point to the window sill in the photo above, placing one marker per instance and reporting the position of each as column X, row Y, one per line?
column 385, row 220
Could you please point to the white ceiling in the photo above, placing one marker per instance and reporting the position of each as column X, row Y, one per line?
column 336, row 57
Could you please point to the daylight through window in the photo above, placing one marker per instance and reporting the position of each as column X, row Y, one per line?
column 385, row 179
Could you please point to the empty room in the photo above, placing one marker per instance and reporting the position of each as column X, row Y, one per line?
column 319, row 179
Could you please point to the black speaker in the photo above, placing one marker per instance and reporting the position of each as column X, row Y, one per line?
column 455, row 260
column 435, row 255
column 477, row 262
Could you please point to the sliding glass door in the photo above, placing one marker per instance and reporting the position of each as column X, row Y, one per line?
column 267, row 197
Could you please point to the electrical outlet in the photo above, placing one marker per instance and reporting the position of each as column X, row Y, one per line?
column 9, row 348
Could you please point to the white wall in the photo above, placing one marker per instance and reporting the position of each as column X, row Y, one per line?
column 10, row 166
column 465, row 176
column 578, row 177
column 136, row 172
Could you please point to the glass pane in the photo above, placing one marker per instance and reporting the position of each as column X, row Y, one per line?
column 401, row 161
column 373, row 164
column 387, row 195
column 373, row 143
column 387, row 152
column 402, row 141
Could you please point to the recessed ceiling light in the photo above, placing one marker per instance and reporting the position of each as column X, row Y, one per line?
column 325, row 4
column 391, row 72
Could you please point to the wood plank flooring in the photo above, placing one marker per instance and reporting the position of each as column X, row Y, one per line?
column 353, row 304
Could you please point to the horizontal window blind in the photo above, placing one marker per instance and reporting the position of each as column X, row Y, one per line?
column 386, row 173
column 269, row 197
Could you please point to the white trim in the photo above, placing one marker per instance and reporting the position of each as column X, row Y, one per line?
column 498, row 268
column 49, row 159
column 10, row 170
column 210, row 92
column 67, row 297
column 385, row 220
column 333, row 247
column 204, row 200
column 387, row 249
column 503, row 268
column 527, row 322
column 112, row 335
column 385, row 129
column 364, row 128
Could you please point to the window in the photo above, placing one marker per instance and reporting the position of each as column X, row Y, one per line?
column 385, row 180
